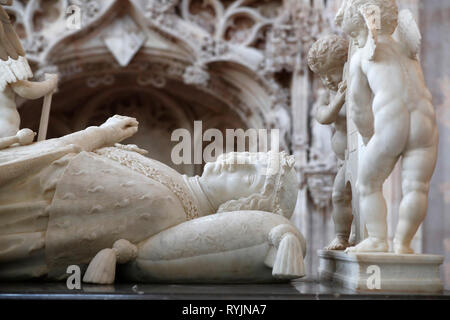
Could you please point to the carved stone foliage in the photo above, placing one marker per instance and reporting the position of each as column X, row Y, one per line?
column 196, row 75
column 240, row 21
column 292, row 34
column 161, row 6
column 39, row 22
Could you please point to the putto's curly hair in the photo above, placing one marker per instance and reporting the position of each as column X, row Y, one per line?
column 388, row 13
column 327, row 52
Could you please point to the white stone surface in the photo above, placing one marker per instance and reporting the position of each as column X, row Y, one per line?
column 391, row 120
column 400, row 273
column 174, row 43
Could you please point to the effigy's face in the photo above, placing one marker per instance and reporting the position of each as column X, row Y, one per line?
column 237, row 178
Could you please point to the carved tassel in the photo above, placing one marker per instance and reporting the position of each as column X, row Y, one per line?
column 289, row 262
column 270, row 258
column 102, row 269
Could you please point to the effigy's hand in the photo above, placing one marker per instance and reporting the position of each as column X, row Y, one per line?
column 120, row 128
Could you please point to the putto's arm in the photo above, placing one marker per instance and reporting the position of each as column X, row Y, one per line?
column 328, row 114
column 360, row 100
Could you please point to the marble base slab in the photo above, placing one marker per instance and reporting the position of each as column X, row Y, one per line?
column 381, row 272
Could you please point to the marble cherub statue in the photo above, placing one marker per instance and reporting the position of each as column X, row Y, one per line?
column 393, row 111
column 85, row 200
column 14, row 72
column 327, row 58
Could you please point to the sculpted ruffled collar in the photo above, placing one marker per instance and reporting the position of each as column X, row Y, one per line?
column 204, row 204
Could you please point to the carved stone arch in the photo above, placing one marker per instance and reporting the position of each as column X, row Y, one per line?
column 181, row 116
column 169, row 48
column 258, row 101
column 105, row 11
column 97, row 79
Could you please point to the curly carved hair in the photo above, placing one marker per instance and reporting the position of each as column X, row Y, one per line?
column 279, row 194
column 388, row 13
column 329, row 51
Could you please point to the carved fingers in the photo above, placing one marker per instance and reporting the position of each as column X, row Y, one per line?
column 120, row 128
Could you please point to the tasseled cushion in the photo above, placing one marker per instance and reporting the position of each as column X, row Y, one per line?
column 289, row 262
column 102, row 269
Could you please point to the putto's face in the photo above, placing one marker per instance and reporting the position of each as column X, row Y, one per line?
column 233, row 180
column 357, row 32
column 332, row 77
column 352, row 25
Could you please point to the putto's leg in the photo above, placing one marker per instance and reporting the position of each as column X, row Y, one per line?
column 374, row 169
column 417, row 169
column 342, row 212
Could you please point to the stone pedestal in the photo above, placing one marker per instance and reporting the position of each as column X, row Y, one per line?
column 381, row 272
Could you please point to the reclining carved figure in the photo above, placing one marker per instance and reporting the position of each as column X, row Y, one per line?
column 84, row 200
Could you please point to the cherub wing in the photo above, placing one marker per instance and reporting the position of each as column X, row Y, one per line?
column 408, row 33
column 371, row 15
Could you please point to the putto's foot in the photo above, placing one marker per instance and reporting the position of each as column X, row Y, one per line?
column 338, row 244
column 400, row 248
column 370, row 245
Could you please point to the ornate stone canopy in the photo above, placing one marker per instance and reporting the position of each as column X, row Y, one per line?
column 224, row 62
